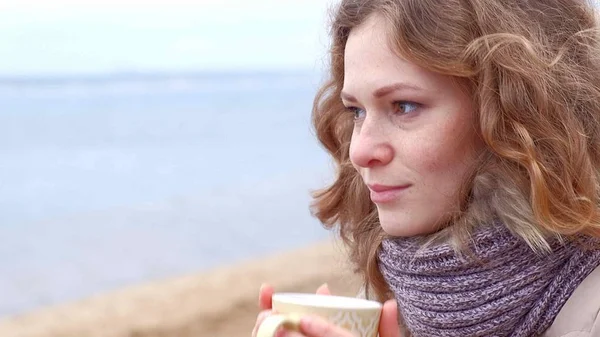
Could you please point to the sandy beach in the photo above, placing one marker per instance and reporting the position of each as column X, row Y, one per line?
column 216, row 303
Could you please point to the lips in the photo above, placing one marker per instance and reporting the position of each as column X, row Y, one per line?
column 381, row 194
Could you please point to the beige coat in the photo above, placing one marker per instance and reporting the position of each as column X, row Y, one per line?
column 579, row 317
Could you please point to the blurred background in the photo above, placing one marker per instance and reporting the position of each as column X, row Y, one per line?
column 146, row 140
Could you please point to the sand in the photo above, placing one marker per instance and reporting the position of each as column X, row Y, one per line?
column 216, row 303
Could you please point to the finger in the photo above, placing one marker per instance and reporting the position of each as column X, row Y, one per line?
column 264, row 297
column 388, row 324
column 281, row 332
column 314, row 326
column 323, row 289
column 259, row 319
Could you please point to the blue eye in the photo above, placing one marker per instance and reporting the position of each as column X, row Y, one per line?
column 404, row 107
column 357, row 113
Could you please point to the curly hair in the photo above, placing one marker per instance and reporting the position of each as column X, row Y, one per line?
column 532, row 68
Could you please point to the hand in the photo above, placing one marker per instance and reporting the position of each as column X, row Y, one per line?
column 265, row 303
column 314, row 326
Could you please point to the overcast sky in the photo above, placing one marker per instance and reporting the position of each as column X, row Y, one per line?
column 92, row 36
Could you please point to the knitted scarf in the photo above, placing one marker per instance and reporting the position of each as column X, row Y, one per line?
column 506, row 289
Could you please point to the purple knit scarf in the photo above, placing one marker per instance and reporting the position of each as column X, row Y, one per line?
column 508, row 290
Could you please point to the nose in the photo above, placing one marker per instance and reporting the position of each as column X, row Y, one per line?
column 370, row 145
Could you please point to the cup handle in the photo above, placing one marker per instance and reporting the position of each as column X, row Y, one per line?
column 271, row 324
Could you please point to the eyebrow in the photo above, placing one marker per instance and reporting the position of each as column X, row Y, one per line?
column 383, row 91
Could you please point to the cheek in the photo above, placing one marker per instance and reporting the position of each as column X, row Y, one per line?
column 444, row 156
column 351, row 152
column 429, row 160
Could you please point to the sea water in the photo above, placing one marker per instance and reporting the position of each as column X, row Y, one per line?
column 109, row 181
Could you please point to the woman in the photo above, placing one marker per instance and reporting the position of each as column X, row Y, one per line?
column 466, row 135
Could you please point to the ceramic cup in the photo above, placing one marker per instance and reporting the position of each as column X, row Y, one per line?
column 359, row 316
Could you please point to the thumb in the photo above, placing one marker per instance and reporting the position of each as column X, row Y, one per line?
column 264, row 297
column 323, row 290
column 388, row 324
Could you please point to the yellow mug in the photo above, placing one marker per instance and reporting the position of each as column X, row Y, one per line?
column 359, row 316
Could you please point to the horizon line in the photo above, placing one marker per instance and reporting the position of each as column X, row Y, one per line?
column 152, row 73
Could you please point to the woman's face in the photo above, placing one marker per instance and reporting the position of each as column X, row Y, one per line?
column 414, row 138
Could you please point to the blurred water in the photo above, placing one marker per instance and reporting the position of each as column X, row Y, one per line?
column 110, row 181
